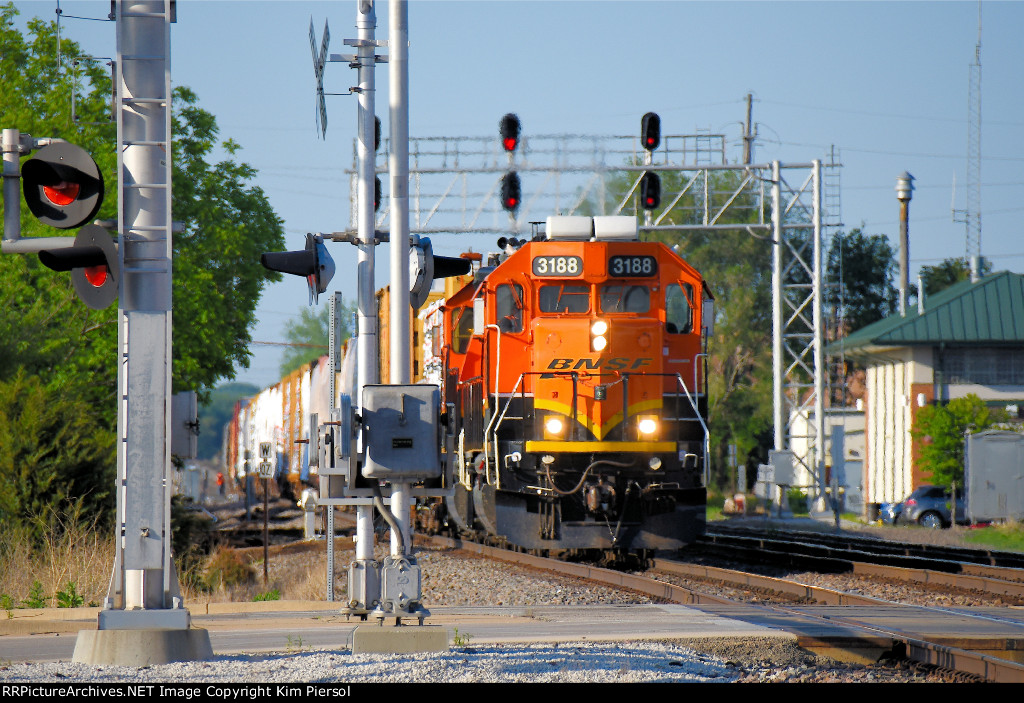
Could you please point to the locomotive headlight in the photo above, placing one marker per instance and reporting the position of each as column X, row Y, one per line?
column 647, row 426
column 598, row 341
column 553, row 426
column 654, row 463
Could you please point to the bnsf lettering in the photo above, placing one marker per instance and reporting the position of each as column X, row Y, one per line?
column 617, row 363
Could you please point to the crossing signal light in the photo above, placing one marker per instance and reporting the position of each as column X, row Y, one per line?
column 509, row 129
column 650, row 131
column 313, row 262
column 650, row 190
column 511, row 193
column 63, row 186
column 93, row 264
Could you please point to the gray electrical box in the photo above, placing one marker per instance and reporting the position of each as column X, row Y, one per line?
column 995, row 476
column 401, row 426
column 783, row 463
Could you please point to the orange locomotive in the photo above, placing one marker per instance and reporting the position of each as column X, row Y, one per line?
column 574, row 371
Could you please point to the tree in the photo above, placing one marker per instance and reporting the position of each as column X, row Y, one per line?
column 309, row 335
column 861, row 267
column 941, row 430
column 55, row 353
column 216, row 412
column 950, row 271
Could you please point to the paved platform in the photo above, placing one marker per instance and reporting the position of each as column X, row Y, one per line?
column 308, row 625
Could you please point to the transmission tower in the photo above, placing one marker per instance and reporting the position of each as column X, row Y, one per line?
column 971, row 216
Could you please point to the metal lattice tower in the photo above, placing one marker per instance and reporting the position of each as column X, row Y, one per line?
column 972, row 216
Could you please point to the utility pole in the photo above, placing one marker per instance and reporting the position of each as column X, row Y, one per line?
column 748, row 134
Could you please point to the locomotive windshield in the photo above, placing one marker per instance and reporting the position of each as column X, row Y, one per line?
column 623, row 298
column 564, row 298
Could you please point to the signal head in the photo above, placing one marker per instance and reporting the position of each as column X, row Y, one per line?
column 650, row 131
column 63, row 186
column 509, row 129
column 650, row 190
column 93, row 263
column 511, row 192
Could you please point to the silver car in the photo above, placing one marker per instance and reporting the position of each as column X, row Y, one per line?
column 930, row 506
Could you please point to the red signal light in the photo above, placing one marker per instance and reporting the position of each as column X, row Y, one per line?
column 62, row 193
column 96, row 275
column 510, row 143
column 511, row 191
column 650, row 131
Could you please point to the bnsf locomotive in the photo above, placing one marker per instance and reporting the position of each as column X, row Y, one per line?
column 574, row 370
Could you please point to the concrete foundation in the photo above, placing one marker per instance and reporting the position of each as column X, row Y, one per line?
column 141, row 647
column 377, row 639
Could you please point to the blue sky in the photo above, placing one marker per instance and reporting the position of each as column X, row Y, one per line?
column 885, row 82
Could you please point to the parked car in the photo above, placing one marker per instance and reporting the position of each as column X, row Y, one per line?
column 930, row 506
column 889, row 513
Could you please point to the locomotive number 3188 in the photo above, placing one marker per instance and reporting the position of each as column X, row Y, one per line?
column 632, row 266
column 557, row 266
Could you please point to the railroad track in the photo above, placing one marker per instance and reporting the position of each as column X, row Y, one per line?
column 971, row 662
column 844, row 548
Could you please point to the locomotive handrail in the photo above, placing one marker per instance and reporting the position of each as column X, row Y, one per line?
column 707, row 434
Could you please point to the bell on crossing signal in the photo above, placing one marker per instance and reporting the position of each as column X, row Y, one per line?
column 510, row 191
column 313, row 262
column 650, row 190
column 63, row 186
column 650, row 131
column 93, row 264
column 508, row 128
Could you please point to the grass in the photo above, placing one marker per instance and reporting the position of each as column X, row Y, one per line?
column 1007, row 537
column 69, row 568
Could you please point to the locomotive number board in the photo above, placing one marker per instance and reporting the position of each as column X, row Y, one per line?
column 557, row 266
column 632, row 266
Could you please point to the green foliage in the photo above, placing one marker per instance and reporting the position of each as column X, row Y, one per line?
column 54, row 457
column 949, row 271
column 227, row 568
column 58, row 382
column 940, row 431
column 310, row 335
column 69, row 597
column 7, row 604
column 218, row 278
column 460, row 639
column 36, row 599
column 274, row 594
column 216, row 412
column 862, row 266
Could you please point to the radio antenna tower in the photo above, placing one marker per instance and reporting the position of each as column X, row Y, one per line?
column 972, row 215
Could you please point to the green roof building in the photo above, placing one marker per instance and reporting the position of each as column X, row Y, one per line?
column 969, row 338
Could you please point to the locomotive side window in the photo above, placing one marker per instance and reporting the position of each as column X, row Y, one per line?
column 462, row 329
column 564, row 298
column 510, row 307
column 678, row 314
column 621, row 298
